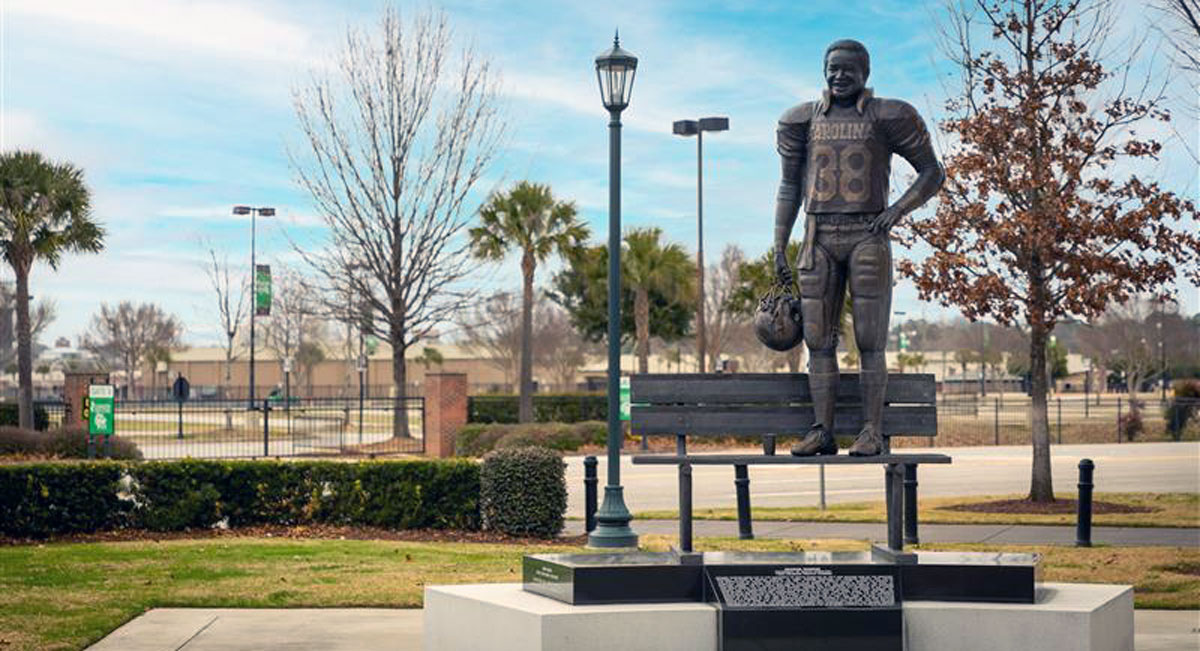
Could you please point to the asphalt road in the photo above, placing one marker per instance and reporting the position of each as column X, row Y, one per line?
column 1128, row 467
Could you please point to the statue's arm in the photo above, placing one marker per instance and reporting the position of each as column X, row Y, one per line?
column 909, row 138
column 793, row 149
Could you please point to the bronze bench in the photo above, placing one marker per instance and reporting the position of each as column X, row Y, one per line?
column 779, row 404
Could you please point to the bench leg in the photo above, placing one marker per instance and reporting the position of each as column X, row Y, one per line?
column 893, row 485
column 685, row 508
column 910, row 504
column 741, row 482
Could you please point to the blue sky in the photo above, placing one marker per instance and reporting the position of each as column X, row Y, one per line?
column 178, row 110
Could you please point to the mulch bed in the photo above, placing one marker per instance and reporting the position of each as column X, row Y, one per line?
column 305, row 532
column 1055, row 507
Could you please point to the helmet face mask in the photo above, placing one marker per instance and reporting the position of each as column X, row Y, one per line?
column 777, row 321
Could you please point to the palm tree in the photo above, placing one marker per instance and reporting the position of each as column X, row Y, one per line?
column 44, row 212
column 649, row 266
column 528, row 219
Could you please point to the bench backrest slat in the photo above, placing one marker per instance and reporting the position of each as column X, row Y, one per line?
column 898, row 420
column 761, row 388
column 743, row 404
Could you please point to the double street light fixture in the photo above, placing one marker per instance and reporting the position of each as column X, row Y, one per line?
column 697, row 128
column 264, row 211
column 615, row 70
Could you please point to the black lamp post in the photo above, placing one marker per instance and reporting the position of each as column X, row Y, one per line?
column 697, row 128
column 615, row 70
column 253, row 212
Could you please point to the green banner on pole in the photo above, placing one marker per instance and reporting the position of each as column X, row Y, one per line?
column 262, row 290
column 624, row 398
column 101, row 412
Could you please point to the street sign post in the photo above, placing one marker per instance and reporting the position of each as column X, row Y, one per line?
column 181, row 390
column 101, row 414
column 262, row 290
column 624, row 402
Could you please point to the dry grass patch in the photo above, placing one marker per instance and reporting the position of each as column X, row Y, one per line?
column 1150, row 510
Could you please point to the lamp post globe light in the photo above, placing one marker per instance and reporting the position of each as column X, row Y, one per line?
column 615, row 70
column 697, row 128
column 265, row 211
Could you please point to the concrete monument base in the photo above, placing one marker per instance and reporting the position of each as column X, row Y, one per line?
column 503, row 616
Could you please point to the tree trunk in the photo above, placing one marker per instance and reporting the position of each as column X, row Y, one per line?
column 525, row 405
column 400, row 380
column 641, row 322
column 228, row 381
column 1041, row 486
column 24, row 349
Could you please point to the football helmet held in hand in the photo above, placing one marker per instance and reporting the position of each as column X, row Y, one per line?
column 777, row 321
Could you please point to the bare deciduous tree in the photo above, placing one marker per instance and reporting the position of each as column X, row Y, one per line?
column 721, row 319
column 294, row 325
column 492, row 329
column 233, row 303
column 128, row 334
column 559, row 349
column 41, row 314
column 396, row 138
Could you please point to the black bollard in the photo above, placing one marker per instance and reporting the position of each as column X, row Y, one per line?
column 589, row 493
column 1083, row 524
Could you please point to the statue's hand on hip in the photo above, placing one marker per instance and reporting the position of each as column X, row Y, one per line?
column 885, row 220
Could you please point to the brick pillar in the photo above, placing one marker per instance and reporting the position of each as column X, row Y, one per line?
column 445, row 412
column 75, row 388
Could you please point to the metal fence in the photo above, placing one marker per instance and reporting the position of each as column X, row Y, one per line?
column 164, row 429
column 1004, row 419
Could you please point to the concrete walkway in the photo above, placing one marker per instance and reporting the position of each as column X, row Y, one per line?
column 371, row 629
column 929, row 533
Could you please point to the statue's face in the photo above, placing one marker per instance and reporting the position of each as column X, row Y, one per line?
column 845, row 74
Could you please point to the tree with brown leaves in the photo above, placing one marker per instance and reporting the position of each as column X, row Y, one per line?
column 1041, row 217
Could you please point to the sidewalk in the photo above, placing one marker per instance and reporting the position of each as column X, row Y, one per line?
column 371, row 629
column 929, row 533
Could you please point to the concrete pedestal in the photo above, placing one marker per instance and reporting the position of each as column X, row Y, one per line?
column 1066, row 617
column 498, row 617
column 503, row 617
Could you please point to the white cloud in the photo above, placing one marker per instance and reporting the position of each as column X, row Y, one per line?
column 213, row 27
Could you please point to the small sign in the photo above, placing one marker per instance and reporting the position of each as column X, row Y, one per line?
column 101, row 412
column 262, row 290
column 624, row 398
column 287, row 364
column 362, row 363
column 182, row 389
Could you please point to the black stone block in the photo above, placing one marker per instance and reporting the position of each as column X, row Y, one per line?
column 970, row 576
column 821, row 629
column 635, row 578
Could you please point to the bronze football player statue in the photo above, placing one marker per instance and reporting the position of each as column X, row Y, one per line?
column 836, row 160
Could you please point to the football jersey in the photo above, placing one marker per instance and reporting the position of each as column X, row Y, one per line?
column 841, row 156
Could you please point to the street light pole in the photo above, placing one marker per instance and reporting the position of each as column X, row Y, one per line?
column 615, row 70
column 265, row 211
column 697, row 128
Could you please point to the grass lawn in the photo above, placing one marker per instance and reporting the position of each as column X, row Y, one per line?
column 69, row 595
column 1165, row 510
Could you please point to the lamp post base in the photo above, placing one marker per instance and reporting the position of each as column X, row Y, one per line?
column 612, row 522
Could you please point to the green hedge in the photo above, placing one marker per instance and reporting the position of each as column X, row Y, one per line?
column 43, row 499
column 10, row 416
column 476, row 440
column 523, row 491
column 173, row 495
column 565, row 408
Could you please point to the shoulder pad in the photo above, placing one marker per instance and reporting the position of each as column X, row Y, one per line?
column 892, row 109
column 799, row 113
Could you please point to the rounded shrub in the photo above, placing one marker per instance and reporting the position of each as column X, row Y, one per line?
column 523, row 491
